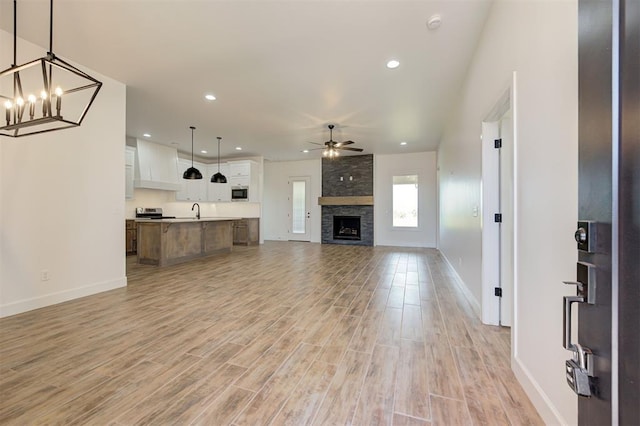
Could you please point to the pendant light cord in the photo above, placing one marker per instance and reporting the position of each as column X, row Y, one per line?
column 192, row 129
column 219, row 138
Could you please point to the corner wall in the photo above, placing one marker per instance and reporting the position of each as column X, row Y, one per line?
column 62, row 204
column 538, row 40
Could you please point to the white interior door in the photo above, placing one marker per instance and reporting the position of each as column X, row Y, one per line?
column 490, row 230
column 300, row 208
column 498, row 216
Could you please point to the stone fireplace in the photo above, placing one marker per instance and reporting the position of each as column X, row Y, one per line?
column 347, row 200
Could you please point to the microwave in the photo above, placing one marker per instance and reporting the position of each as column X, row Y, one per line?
column 239, row 193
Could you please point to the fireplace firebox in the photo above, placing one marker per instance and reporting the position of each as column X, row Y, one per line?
column 346, row 228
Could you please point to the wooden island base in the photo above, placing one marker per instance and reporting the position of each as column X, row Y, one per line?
column 171, row 241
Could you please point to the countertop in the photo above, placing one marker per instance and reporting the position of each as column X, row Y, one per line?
column 187, row 219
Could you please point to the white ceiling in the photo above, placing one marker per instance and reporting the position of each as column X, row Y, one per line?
column 281, row 70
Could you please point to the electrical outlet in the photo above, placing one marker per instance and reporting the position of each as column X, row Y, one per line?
column 44, row 275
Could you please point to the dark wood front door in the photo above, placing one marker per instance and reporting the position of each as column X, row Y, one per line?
column 609, row 195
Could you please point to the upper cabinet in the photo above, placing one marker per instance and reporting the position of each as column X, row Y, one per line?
column 240, row 168
column 245, row 173
column 157, row 166
column 129, row 171
column 238, row 173
column 192, row 189
column 218, row 192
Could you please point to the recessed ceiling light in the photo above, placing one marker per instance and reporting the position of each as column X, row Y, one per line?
column 403, row 143
column 238, row 148
column 393, row 63
column 305, row 150
column 434, row 22
column 204, row 151
column 210, row 97
column 146, row 135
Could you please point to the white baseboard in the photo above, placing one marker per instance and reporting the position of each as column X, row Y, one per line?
column 538, row 398
column 409, row 245
column 21, row 306
column 475, row 303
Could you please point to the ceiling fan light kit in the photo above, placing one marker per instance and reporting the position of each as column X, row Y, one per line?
column 219, row 177
column 192, row 172
column 32, row 93
column 332, row 148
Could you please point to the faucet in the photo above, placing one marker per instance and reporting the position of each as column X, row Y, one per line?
column 198, row 212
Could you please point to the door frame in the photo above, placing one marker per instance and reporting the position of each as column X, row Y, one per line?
column 490, row 200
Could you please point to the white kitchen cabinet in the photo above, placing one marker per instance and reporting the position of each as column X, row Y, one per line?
column 239, row 180
column 218, row 192
column 192, row 189
column 129, row 171
column 239, row 168
column 245, row 173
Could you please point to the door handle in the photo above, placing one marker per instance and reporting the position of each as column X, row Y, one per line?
column 566, row 329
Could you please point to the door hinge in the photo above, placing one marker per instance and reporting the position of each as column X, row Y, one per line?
column 497, row 218
column 497, row 143
column 497, row 292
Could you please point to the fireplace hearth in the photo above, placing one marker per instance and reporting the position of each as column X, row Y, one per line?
column 346, row 228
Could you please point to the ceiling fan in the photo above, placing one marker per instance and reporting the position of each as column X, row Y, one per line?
column 332, row 147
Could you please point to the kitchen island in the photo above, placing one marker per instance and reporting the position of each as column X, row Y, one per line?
column 164, row 242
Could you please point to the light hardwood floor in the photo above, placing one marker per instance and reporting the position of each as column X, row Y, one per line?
column 284, row 333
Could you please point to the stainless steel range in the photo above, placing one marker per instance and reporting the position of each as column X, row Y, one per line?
column 151, row 213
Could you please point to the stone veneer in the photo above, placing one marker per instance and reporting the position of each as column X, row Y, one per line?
column 366, row 224
column 360, row 167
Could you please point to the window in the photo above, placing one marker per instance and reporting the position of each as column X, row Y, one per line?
column 405, row 201
column 298, row 207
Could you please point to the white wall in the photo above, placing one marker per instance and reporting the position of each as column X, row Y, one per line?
column 62, row 203
column 276, row 192
column 385, row 167
column 538, row 40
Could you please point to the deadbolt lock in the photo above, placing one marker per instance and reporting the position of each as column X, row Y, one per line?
column 580, row 235
column 591, row 236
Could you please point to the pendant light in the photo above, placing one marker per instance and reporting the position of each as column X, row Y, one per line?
column 192, row 172
column 32, row 93
column 219, row 177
